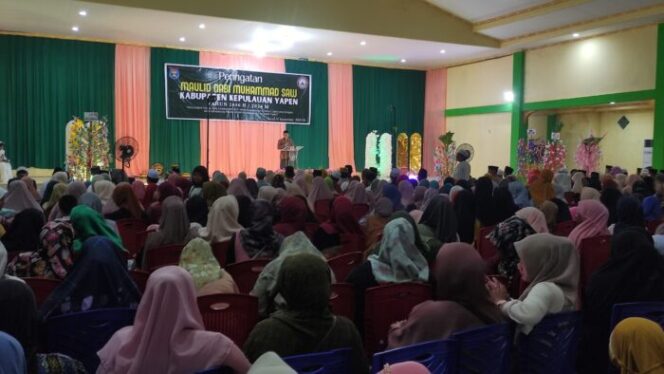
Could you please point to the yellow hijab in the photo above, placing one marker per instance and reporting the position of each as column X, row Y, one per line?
column 637, row 346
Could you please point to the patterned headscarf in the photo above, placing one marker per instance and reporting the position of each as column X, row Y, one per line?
column 398, row 259
column 503, row 236
column 197, row 258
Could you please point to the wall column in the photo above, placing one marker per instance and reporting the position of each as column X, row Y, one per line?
column 658, row 132
column 519, row 126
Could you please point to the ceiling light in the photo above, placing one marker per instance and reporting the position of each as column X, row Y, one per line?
column 183, row 39
column 74, row 28
column 201, row 26
column 508, row 96
column 403, row 60
column 329, row 53
column 612, row 103
column 576, row 35
column 442, row 51
column 363, row 43
column 278, row 39
column 82, row 12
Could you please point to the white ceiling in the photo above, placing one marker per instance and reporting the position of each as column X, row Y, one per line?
column 159, row 28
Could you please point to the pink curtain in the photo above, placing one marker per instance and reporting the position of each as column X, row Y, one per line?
column 132, row 102
column 434, row 114
column 340, row 128
column 237, row 146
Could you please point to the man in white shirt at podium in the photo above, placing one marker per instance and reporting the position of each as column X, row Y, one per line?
column 285, row 145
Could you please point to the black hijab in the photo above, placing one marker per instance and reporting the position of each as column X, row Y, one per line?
column 609, row 197
column 197, row 210
column 633, row 273
column 464, row 207
column 260, row 239
column 252, row 186
column 484, row 206
column 441, row 218
column 18, row 317
column 594, row 181
column 23, row 235
column 629, row 214
column 564, row 215
column 244, row 216
column 504, row 204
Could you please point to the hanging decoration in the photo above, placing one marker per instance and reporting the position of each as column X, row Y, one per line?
column 402, row 151
column 371, row 150
column 385, row 155
column 444, row 155
column 530, row 154
column 87, row 146
column 554, row 155
column 415, row 153
column 588, row 153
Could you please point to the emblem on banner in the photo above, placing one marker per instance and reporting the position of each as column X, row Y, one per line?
column 173, row 73
column 303, row 83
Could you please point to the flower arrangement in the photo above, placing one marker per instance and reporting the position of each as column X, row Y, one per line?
column 87, row 146
column 371, row 150
column 530, row 154
column 384, row 155
column 444, row 156
column 554, row 155
column 588, row 153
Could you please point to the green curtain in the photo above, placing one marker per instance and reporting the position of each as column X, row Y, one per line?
column 384, row 99
column 43, row 83
column 171, row 141
column 314, row 136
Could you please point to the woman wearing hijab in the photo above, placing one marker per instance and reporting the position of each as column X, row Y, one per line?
column 398, row 260
column 551, row 265
column 519, row 194
column 222, row 221
column 391, row 192
column 268, row 193
column 637, row 346
column 11, row 355
column 319, row 191
column 76, row 189
column 177, row 330
column 259, row 240
column 485, row 209
column 305, row 324
column 609, row 197
column 633, row 273
column 197, row 210
column 464, row 208
column 542, row 188
column 406, row 190
column 104, row 189
column 238, row 188
column 164, row 190
column 88, row 223
column 578, row 182
column 128, row 205
column 357, row 193
column 18, row 198
column 58, row 191
column 139, row 189
column 628, row 215
column 593, row 218
column 342, row 222
column 99, row 279
column 244, row 207
column 563, row 180
column 23, row 234
column 589, row 193
column 252, row 187
column 212, row 191
column 461, row 300
column 174, row 227
column 278, row 181
column 376, row 222
column 503, row 236
column 504, row 204
column 535, row 219
column 209, row 278
column 293, row 213
column 198, row 176
column 438, row 225
column 550, row 211
column 594, row 181
column 268, row 301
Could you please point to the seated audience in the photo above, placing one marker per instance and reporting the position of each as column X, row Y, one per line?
column 376, row 222
column 503, row 237
column 319, row 191
column 58, row 191
column 637, row 346
column 212, row 191
column 172, row 339
column 293, row 216
column 23, row 234
column 593, row 218
column 306, row 324
column 18, row 198
column 341, row 222
column 222, row 221
column 652, row 205
column 464, row 208
column 197, row 210
column 128, row 205
column 11, row 355
column 259, row 240
column 88, row 223
column 438, row 225
column 164, row 190
column 209, row 277
column 628, row 215
column 198, row 176
column 461, row 300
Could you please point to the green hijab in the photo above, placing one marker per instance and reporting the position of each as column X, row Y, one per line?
column 87, row 223
column 419, row 243
column 304, row 282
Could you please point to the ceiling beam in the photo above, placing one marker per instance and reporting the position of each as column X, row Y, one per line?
column 614, row 19
column 408, row 19
column 524, row 14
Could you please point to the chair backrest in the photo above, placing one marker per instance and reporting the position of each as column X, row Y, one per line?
column 484, row 350
column 330, row 362
column 217, row 370
column 342, row 300
column 230, row 314
column 387, row 304
column 652, row 226
column 593, row 253
column 246, row 273
column 351, row 243
column 81, row 335
column 310, row 229
column 484, row 246
column 650, row 310
column 322, row 209
column 130, row 231
column 343, row 264
column 551, row 347
column 360, row 210
column 220, row 251
column 564, row 228
column 439, row 356
column 163, row 256
column 140, row 277
column 42, row 288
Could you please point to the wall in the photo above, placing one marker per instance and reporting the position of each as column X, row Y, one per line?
column 489, row 134
column 618, row 62
column 479, row 84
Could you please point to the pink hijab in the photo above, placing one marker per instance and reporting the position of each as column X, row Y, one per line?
column 169, row 339
column 357, row 193
column 319, row 191
column 407, row 367
column 593, row 217
column 535, row 219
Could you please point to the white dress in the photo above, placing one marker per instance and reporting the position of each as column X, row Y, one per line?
column 5, row 168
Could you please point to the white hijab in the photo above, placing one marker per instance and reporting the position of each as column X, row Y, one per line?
column 222, row 221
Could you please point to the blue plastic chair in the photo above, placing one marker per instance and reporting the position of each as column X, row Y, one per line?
column 551, row 346
column 650, row 310
column 439, row 356
column 330, row 362
column 484, row 350
column 81, row 335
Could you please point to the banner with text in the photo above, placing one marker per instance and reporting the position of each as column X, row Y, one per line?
column 228, row 94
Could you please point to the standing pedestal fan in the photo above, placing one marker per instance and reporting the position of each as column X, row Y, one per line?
column 126, row 148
